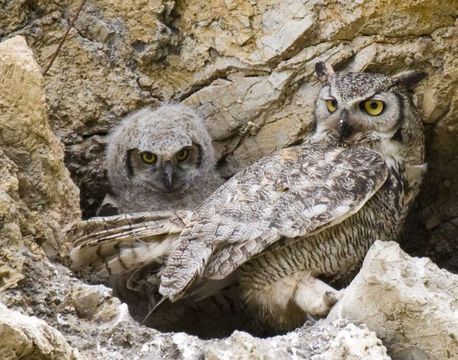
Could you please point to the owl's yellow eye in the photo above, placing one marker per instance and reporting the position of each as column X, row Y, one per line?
column 148, row 157
column 331, row 105
column 182, row 155
column 373, row 107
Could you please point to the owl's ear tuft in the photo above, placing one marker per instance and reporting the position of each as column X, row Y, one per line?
column 409, row 79
column 323, row 71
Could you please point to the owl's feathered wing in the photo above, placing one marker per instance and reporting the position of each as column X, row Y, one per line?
column 297, row 191
column 118, row 244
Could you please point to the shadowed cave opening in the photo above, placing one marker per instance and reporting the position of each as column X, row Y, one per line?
column 217, row 316
column 214, row 317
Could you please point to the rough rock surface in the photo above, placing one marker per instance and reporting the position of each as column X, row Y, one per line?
column 410, row 303
column 247, row 66
column 338, row 341
column 37, row 196
column 26, row 337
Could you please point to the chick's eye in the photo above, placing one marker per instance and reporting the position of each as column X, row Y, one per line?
column 331, row 105
column 373, row 107
column 182, row 155
column 148, row 158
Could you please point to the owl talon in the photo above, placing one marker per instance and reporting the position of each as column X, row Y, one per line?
column 315, row 297
column 331, row 297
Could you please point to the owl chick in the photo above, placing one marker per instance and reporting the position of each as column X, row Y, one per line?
column 161, row 163
column 291, row 227
column 161, row 159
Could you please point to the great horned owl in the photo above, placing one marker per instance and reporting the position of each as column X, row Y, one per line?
column 298, row 221
column 161, row 159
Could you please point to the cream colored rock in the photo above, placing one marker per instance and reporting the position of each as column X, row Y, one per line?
column 42, row 182
column 25, row 337
column 37, row 195
column 410, row 303
column 354, row 343
column 10, row 227
column 338, row 341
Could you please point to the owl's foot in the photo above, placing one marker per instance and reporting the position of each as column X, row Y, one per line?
column 315, row 297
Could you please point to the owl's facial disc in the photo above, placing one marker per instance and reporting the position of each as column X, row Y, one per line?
column 171, row 171
column 360, row 119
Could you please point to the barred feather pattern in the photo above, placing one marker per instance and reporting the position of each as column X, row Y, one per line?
column 303, row 218
column 124, row 243
column 338, row 230
column 333, row 253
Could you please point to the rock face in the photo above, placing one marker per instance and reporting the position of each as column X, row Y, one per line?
column 247, row 67
column 37, row 196
column 410, row 303
column 26, row 337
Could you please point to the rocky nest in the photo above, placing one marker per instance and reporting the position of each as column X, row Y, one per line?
column 247, row 67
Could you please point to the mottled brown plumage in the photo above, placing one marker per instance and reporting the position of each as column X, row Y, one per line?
column 126, row 242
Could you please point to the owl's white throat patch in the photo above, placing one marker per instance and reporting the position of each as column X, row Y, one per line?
column 391, row 151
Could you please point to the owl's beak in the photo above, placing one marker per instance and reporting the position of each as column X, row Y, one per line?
column 167, row 175
column 344, row 128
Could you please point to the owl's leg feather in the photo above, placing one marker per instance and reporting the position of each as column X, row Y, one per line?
column 286, row 302
column 315, row 297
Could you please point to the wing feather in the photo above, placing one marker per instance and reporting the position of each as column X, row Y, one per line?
column 295, row 192
column 117, row 244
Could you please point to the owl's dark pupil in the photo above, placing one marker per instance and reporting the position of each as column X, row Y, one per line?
column 373, row 105
column 334, row 103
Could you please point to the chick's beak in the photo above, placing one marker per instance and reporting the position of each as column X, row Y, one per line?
column 167, row 175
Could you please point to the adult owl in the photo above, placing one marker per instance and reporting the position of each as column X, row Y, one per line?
column 293, row 224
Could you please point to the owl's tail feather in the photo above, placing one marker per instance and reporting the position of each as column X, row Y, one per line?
column 119, row 243
column 158, row 304
column 184, row 267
